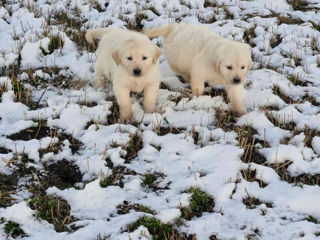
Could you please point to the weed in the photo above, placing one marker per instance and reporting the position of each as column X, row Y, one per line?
column 54, row 43
column 210, row 3
column 133, row 147
column 149, row 179
column 199, row 202
column 126, row 207
column 298, row 4
column 14, row 230
column 250, row 176
column 252, row 202
column 158, row 230
column 312, row 219
column 53, row 209
column 7, row 186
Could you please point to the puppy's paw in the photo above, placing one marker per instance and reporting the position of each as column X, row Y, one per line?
column 126, row 117
column 240, row 112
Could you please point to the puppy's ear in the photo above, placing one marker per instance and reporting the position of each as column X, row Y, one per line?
column 216, row 63
column 156, row 54
column 116, row 58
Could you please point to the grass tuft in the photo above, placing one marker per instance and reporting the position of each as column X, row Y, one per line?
column 13, row 229
column 199, row 202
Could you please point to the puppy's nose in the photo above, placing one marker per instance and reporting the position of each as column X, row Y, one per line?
column 236, row 80
column 137, row 71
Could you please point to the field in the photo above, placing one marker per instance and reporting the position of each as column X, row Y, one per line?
column 192, row 170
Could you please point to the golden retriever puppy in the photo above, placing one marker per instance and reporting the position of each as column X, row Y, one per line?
column 129, row 60
column 199, row 56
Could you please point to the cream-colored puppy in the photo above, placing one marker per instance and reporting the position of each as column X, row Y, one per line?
column 130, row 61
column 199, row 56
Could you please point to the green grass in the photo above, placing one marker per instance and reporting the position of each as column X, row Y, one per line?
column 13, row 229
column 199, row 202
column 158, row 230
column 149, row 179
column 52, row 209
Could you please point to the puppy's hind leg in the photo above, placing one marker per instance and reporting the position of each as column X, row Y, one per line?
column 150, row 97
column 98, row 75
column 236, row 98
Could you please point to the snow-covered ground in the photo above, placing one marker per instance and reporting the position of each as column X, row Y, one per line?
column 262, row 169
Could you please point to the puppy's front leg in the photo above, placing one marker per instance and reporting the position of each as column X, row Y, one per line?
column 123, row 98
column 150, row 97
column 236, row 98
column 197, row 85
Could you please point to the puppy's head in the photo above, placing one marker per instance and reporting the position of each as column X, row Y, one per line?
column 233, row 61
column 136, row 57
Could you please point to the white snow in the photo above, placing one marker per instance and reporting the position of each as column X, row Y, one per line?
column 198, row 149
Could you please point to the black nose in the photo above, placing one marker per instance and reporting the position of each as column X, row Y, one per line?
column 236, row 80
column 137, row 71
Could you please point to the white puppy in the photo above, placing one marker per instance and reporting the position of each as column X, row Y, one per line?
column 130, row 61
column 199, row 56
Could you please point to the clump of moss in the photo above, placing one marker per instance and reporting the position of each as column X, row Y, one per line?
column 149, row 179
column 13, row 229
column 158, row 230
column 199, row 202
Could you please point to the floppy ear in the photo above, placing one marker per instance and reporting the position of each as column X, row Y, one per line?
column 115, row 56
column 216, row 63
column 156, row 54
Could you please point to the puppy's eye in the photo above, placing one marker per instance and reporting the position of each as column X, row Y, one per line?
column 242, row 67
column 129, row 58
column 144, row 58
column 229, row 67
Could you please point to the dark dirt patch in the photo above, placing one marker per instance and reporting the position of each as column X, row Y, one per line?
column 4, row 150
column 8, row 184
column 161, row 131
column 282, row 170
column 32, row 133
column 116, row 178
column 214, row 92
column 133, row 147
column 114, row 116
column 252, row 202
column 63, row 174
column 75, row 144
column 252, row 154
column 251, row 176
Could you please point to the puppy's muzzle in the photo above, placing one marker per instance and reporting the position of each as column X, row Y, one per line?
column 236, row 80
column 137, row 72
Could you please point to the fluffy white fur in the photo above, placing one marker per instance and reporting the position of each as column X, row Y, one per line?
column 199, row 56
column 130, row 61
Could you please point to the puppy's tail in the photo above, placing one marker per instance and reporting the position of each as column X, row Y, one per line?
column 95, row 33
column 158, row 31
